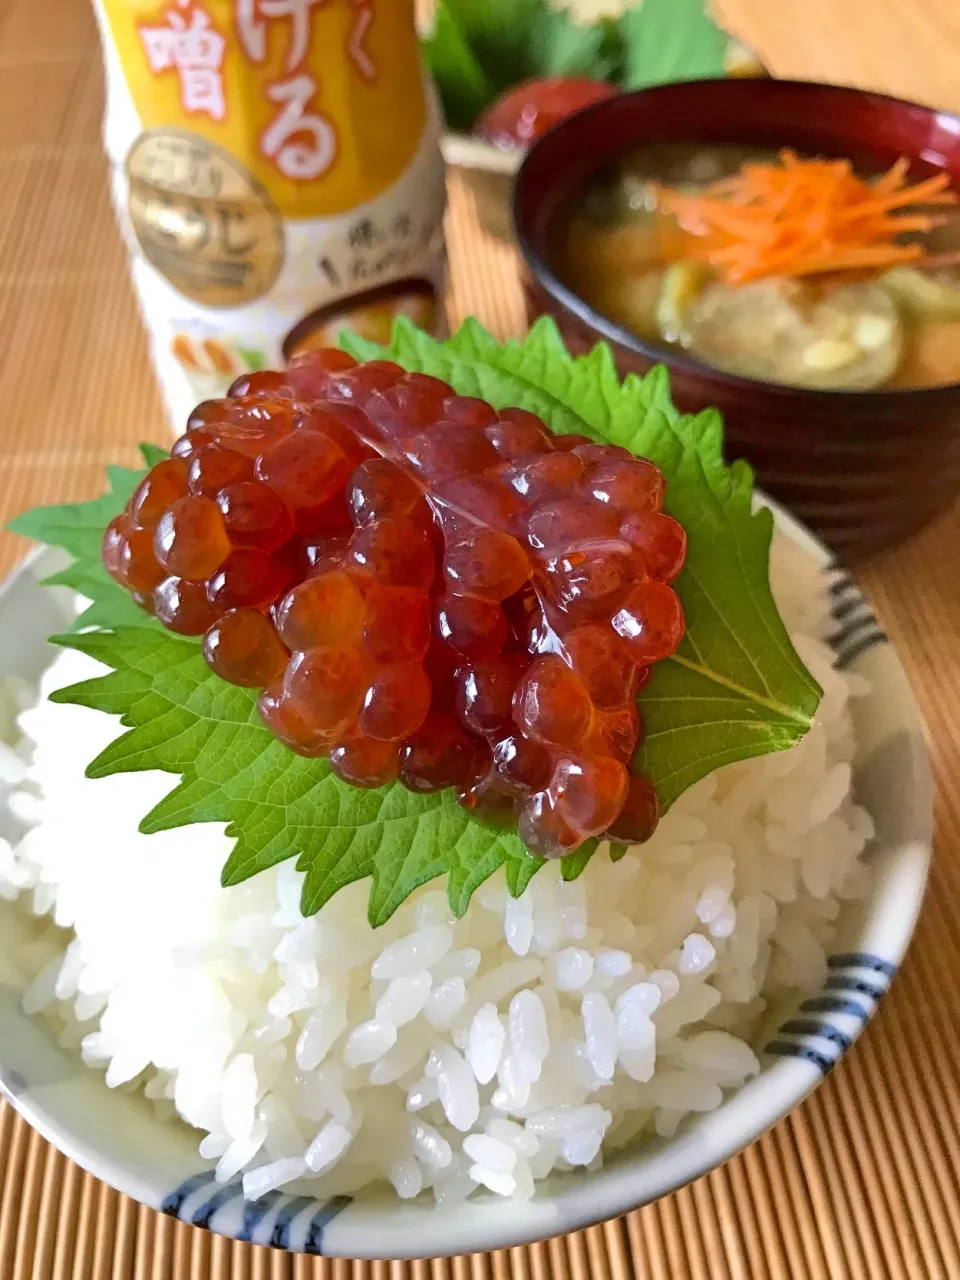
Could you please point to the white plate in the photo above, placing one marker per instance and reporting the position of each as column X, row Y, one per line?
column 117, row 1137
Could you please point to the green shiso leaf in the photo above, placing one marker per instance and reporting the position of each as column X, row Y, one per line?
column 77, row 528
column 252, row 358
column 735, row 689
column 670, row 40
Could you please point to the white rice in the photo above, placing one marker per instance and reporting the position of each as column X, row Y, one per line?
column 434, row 1054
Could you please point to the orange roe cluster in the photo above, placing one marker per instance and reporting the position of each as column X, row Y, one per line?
column 423, row 588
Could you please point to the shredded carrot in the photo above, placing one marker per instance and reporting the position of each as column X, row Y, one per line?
column 804, row 217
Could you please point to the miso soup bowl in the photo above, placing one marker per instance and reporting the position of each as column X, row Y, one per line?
column 865, row 469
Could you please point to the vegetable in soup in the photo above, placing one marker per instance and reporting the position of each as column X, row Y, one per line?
column 775, row 267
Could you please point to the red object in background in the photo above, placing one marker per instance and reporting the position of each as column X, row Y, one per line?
column 528, row 110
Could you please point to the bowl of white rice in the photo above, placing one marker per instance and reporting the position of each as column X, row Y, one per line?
column 439, row 1086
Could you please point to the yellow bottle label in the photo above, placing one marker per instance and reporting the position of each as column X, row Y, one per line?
column 276, row 169
column 319, row 103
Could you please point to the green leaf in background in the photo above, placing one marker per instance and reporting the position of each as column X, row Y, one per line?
column 476, row 49
column 670, row 40
column 462, row 83
column 498, row 32
column 559, row 47
column 736, row 687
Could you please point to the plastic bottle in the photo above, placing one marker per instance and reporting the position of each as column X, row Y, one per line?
column 277, row 177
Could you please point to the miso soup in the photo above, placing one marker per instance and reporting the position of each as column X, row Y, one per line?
column 683, row 244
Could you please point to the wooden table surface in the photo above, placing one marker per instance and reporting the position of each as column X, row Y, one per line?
column 861, row 1181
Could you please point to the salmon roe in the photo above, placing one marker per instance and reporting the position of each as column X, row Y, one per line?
column 421, row 587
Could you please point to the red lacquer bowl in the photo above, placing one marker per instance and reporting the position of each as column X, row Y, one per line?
column 865, row 469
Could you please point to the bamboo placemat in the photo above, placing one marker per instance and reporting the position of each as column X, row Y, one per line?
column 861, row 1181
column 910, row 48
